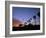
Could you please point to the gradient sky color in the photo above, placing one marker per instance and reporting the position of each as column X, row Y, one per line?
column 23, row 13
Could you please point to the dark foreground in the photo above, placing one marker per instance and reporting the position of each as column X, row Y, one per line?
column 29, row 27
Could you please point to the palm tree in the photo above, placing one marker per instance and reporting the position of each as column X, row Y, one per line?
column 25, row 23
column 38, row 14
column 34, row 17
column 29, row 20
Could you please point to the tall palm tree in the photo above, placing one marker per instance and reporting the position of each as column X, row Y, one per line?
column 34, row 17
column 38, row 14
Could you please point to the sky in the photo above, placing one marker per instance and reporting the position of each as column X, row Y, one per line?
column 23, row 13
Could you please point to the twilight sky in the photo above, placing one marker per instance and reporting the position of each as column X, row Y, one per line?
column 23, row 13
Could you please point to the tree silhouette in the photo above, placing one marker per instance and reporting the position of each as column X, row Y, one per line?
column 25, row 23
column 38, row 14
column 20, row 25
column 34, row 17
column 29, row 20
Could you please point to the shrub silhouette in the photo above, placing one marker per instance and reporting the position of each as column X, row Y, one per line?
column 20, row 25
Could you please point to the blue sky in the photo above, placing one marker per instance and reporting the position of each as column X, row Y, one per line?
column 23, row 13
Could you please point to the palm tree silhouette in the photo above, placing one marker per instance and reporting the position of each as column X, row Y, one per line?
column 29, row 20
column 34, row 17
column 38, row 14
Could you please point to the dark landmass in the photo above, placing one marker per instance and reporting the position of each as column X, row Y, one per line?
column 26, row 27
